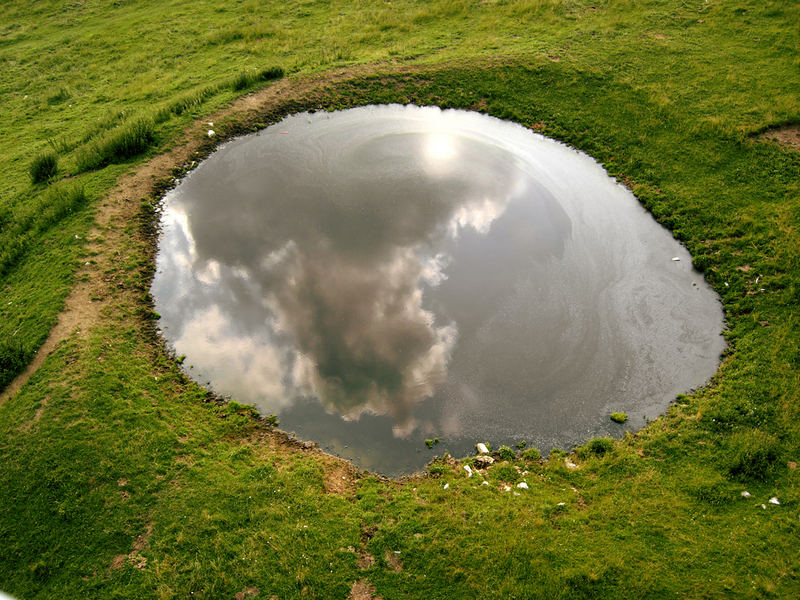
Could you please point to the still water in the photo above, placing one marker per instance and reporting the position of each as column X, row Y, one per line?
column 387, row 274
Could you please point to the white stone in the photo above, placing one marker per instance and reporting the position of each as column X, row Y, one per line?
column 522, row 485
column 468, row 470
column 481, row 448
column 446, row 486
column 774, row 500
column 746, row 494
column 211, row 133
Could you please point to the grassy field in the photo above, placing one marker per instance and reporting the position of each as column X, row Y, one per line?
column 119, row 478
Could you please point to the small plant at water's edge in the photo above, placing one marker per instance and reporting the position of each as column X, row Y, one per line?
column 506, row 453
column 596, row 447
column 618, row 417
column 531, row 454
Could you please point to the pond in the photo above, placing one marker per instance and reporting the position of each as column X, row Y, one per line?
column 386, row 275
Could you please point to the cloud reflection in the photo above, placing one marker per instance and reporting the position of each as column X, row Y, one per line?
column 298, row 269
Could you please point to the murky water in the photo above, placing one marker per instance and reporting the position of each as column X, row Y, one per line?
column 383, row 275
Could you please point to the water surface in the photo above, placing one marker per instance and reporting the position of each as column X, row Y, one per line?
column 383, row 275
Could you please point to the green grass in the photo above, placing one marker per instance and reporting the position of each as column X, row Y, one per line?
column 24, row 228
column 109, row 452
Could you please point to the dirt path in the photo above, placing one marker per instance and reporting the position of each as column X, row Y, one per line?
column 81, row 313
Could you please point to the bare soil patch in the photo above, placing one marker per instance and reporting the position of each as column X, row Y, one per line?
column 362, row 590
column 788, row 135
column 247, row 592
column 340, row 477
column 393, row 560
column 365, row 560
column 134, row 556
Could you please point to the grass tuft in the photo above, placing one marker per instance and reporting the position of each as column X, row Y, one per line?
column 507, row 473
column 62, row 95
column 756, row 455
column 245, row 79
column 506, row 453
column 531, row 454
column 596, row 447
column 60, row 202
column 13, row 359
column 43, row 167
column 618, row 417
column 119, row 144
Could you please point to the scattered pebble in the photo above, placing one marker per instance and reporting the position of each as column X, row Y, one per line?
column 764, row 506
column 570, row 464
column 746, row 494
column 774, row 500
column 210, row 123
column 517, row 494
column 211, row 133
column 675, row 259
column 562, row 504
column 484, row 482
column 468, row 470
column 522, row 485
column 506, row 488
column 446, row 486
column 481, row 448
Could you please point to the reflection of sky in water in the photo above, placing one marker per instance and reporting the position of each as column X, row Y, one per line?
column 382, row 275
